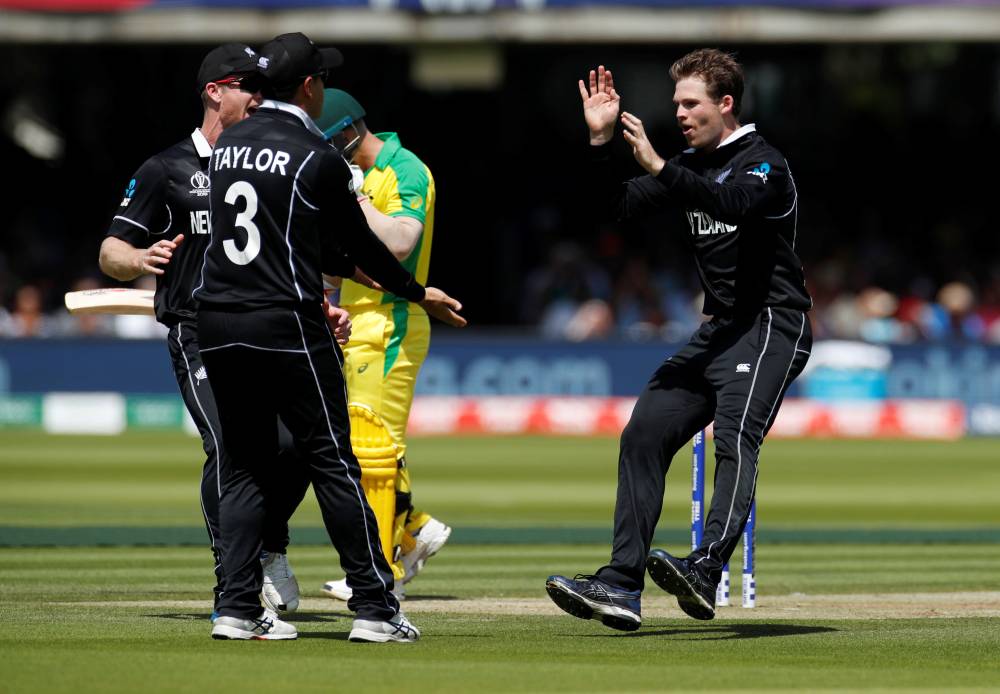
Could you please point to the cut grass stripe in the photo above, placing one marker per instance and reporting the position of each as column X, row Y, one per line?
column 110, row 536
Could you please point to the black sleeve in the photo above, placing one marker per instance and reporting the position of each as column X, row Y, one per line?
column 634, row 198
column 344, row 217
column 336, row 263
column 753, row 189
column 143, row 209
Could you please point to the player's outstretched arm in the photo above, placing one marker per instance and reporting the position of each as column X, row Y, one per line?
column 600, row 105
column 443, row 307
column 123, row 261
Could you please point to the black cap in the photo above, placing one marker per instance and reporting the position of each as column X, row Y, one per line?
column 228, row 59
column 287, row 59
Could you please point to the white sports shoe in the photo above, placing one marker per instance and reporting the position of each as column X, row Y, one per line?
column 267, row 627
column 339, row 590
column 398, row 629
column 430, row 538
column 280, row 590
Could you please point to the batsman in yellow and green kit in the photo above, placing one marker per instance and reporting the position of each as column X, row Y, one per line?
column 390, row 336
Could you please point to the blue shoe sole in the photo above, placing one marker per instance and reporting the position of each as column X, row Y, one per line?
column 574, row 605
column 665, row 575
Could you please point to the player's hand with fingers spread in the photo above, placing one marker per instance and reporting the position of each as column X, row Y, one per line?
column 340, row 322
column 443, row 307
column 642, row 150
column 600, row 105
column 149, row 260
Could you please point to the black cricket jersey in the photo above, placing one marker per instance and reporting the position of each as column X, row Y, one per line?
column 741, row 206
column 283, row 212
column 167, row 196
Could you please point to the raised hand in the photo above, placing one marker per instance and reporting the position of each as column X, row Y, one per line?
column 443, row 307
column 600, row 105
column 642, row 150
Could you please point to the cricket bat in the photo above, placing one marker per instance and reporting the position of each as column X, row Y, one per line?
column 136, row 302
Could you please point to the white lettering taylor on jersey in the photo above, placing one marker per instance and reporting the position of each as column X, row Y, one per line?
column 282, row 215
column 247, row 158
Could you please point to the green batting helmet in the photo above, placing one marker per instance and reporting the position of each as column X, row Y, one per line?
column 340, row 109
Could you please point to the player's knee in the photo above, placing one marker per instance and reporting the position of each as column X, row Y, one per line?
column 642, row 433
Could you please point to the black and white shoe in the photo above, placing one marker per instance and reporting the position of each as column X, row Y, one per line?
column 398, row 629
column 266, row 627
column 588, row 597
column 694, row 592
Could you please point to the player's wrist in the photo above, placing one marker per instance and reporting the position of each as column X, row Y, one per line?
column 601, row 137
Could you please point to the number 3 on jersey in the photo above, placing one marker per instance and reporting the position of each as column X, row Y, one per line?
column 244, row 220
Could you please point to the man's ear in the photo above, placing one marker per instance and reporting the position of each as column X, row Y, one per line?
column 309, row 87
column 726, row 104
column 213, row 93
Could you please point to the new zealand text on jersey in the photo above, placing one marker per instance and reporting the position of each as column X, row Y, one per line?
column 703, row 225
column 244, row 158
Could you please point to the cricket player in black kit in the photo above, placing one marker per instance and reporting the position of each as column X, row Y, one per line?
column 284, row 212
column 166, row 203
column 741, row 207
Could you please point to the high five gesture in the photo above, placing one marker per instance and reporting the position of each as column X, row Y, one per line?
column 600, row 105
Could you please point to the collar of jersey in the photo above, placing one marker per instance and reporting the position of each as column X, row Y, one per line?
column 737, row 134
column 293, row 110
column 201, row 145
column 389, row 149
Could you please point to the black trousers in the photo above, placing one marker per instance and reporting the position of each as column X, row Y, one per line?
column 734, row 372
column 282, row 363
column 192, row 379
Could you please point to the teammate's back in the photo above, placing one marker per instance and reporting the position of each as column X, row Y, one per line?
column 266, row 218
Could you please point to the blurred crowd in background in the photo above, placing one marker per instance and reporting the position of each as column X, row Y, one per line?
column 892, row 148
column 575, row 296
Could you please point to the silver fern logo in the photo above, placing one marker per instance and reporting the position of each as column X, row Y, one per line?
column 200, row 375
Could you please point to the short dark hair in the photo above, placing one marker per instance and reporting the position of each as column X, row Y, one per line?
column 284, row 93
column 720, row 72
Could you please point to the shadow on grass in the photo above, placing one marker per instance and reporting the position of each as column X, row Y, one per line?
column 328, row 635
column 723, row 632
column 418, row 598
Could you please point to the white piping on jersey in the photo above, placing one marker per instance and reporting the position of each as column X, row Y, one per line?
column 738, row 133
column 249, row 346
column 303, row 199
column 294, row 110
column 204, row 255
column 739, row 437
column 201, row 145
column 347, row 469
column 170, row 219
column 288, row 224
column 126, row 219
column 795, row 200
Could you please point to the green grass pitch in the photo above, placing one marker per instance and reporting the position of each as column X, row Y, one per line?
column 878, row 567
